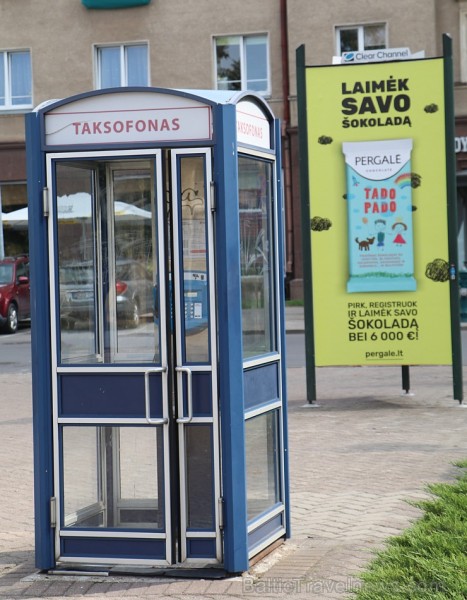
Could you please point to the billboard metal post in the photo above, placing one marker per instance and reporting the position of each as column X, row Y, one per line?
column 306, row 240
column 452, row 221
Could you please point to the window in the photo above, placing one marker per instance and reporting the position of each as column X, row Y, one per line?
column 262, row 463
column 123, row 65
column 360, row 37
column 15, row 80
column 463, row 43
column 256, row 257
column 242, row 63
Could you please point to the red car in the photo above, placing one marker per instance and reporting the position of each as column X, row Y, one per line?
column 15, row 304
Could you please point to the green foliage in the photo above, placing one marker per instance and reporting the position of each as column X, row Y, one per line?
column 295, row 302
column 429, row 560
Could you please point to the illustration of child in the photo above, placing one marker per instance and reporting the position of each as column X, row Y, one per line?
column 380, row 226
column 398, row 228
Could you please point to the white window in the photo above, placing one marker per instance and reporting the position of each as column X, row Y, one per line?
column 463, row 43
column 242, row 63
column 360, row 37
column 15, row 80
column 121, row 66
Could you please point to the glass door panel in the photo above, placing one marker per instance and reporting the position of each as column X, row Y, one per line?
column 195, row 342
column 113, row 477
column 78, row 272
column 83, row 498
column 194, row 269
column 132, row 264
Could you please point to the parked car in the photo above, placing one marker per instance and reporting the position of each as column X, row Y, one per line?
column 133, row 287
column 15, row 305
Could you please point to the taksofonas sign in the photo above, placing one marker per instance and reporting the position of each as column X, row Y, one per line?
column 378, row 215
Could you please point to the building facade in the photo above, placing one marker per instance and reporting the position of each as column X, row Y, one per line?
column 196, row 44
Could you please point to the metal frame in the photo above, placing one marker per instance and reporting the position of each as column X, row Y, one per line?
column 275, row 357
column 155, row 155
column 180, row 367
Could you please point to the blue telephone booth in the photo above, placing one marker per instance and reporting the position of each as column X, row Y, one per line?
column 160, row 436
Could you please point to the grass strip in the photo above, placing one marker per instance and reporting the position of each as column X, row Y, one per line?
column 429, row 560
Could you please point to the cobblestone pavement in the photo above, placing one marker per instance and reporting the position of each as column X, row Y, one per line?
column 355, row 459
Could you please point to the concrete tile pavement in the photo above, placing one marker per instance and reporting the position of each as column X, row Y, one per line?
column 355, row 459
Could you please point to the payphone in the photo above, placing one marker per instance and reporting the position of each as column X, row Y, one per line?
column 159, row 396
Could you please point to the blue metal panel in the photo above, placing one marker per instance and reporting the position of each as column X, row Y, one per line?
column 280, row 228
column 202, row 394
column 112, row 548
column 108, row 394
column 261, row 385
column 40, row 347
column 268, row 531
column 230, row 341
column 200, row 548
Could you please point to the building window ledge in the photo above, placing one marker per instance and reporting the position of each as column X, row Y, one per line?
column 109, row 4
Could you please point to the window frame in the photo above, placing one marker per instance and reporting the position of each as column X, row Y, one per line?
column 361, row 35
column 243, row 66
column 122, row 46
column 5, row 57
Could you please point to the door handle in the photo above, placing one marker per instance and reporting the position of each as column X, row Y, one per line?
column 189, row 395
column 147, row 399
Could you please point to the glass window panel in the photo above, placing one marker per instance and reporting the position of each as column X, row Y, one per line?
column 256, row 63
column 348, row 40
column 2, row 79
column 137, row 65
column 14, row 196
column 199, row 477
column 195, row 291
column 6, row 274
column 113, row 477
column 20, row 63
column 82, row 491
column 110, row 67
column 140, row 498
column 228, row 63
column 262, row 463
column 374, row 37
column 77, row 265
column 134, row 324
column 15, row 237
column 256, row 257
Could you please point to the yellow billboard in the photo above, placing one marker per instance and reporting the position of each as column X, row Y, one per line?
column 380, row 266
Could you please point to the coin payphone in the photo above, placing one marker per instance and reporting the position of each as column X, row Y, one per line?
column 160, row 433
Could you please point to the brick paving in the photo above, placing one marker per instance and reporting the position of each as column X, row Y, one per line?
column 355, row 460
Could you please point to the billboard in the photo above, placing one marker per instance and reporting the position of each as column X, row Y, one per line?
column 380, row 270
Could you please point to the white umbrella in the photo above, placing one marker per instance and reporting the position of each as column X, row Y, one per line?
column 77, row 207
column 17, row 217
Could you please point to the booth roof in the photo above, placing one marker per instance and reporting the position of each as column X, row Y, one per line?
column 217, row 96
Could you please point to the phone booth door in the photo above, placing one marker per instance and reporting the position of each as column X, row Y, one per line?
column 136, row 440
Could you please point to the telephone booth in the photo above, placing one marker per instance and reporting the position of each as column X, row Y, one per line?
column 160, row 438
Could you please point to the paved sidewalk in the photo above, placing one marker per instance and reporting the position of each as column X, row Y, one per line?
column 355, row 459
